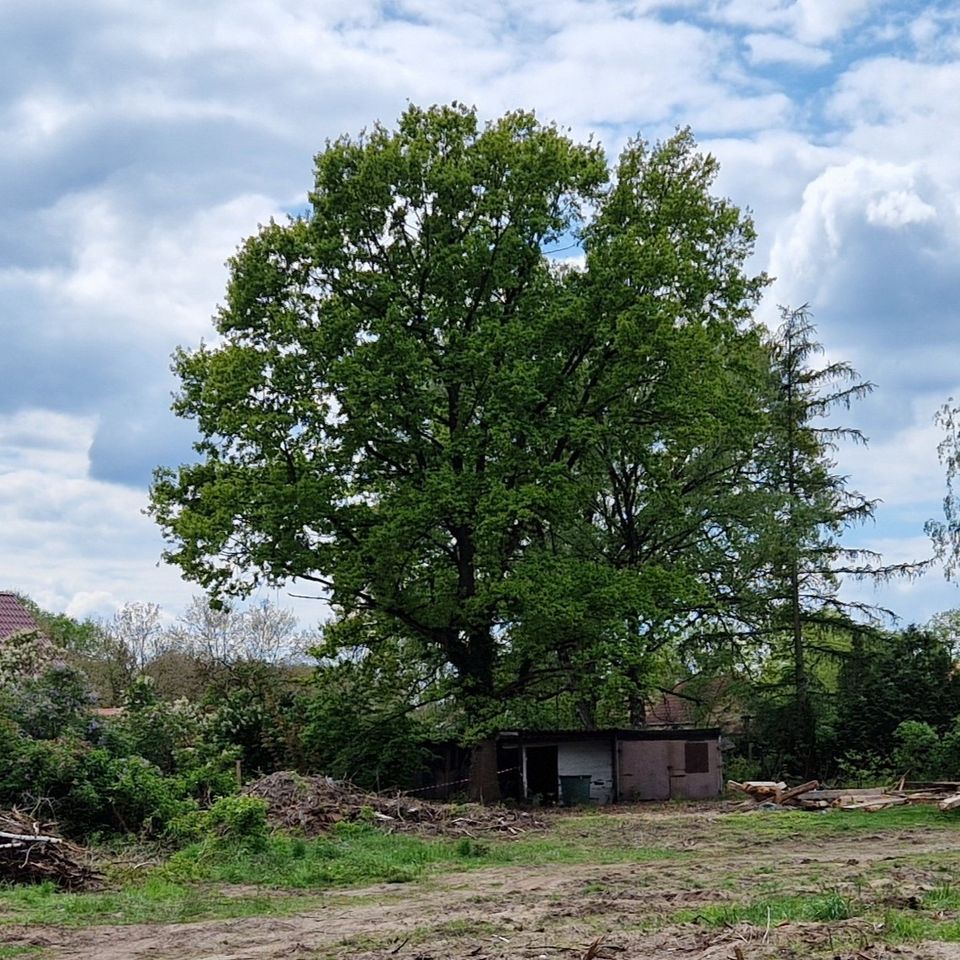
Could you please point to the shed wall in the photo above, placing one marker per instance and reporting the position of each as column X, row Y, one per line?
column 656, row 770
column 589, row 757
column 698, row 786
column 644, row 769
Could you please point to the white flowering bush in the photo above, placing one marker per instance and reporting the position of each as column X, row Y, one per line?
column 26, row 655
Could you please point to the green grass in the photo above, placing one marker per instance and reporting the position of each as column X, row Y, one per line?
column 902, row 927
column 186, row 887
column 288, row 875
column 821, row 907
column 893, row 926
column 355, row 854
column 156, row 900
column 778, row 825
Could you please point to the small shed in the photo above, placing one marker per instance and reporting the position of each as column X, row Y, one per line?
column 603, row 766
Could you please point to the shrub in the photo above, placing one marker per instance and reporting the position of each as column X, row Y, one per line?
column 949, row 753
column 50, row 705
column 141, row 799
column 917, row 750
column 863, row 769
column 239, row 819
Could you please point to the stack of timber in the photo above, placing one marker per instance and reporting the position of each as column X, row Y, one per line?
column 31, row 851
column 811, row 796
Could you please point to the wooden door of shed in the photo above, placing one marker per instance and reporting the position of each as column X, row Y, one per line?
column 644, row 769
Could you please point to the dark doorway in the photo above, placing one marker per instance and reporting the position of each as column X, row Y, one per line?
column 542, row 779
column 508, row 768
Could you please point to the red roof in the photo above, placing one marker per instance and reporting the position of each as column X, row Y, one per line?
column 671, row 710
column 711, row 703
column 14, row 616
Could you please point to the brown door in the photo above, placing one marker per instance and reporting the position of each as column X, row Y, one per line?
column 645, row 769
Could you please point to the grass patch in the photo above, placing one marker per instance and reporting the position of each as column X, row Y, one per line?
column 156, row 900
column 900, row 926
column 819, row 907
column 186, row 887
column 777, row 825
column 355, row 853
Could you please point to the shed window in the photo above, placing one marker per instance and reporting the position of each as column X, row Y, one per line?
column 697, row 757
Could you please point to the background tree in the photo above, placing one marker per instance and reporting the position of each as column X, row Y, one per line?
column 945, row 533
column 413, row 408
column 802, row 561
column 889, row 678
column 138, row 629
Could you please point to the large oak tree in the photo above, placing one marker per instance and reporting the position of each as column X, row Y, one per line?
column 530, row 468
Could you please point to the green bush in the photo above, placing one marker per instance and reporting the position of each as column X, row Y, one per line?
column 864, row 769
column 948, row 765
column 239, row 819
column 51, row 705
column 917, row 750
column 741, row 769
column 141, row 799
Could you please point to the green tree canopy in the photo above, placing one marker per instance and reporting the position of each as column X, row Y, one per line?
column 534, row 469
column 891, row 678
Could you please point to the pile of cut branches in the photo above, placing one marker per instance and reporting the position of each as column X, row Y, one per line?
column 30, row 852
column 311, row 805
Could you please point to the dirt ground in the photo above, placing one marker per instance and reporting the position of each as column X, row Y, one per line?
column 578, row 912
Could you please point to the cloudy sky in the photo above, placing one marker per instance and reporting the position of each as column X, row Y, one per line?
column 145, row 140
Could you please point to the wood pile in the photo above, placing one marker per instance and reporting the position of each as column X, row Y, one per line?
column 811, row 796
column 31, row 852
column 312, row 805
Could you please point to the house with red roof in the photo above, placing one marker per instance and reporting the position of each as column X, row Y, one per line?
column 14, row 616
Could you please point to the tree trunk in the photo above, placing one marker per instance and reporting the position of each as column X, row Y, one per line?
column 484, row 786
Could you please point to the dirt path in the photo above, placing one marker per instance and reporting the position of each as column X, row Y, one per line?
column 558, row 911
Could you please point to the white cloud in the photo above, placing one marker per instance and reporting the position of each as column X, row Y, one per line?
column 902, row 111
column 76, row 544
column 809, row 21
column 897, row 208
column 44, row 441
column 775, row 48
column 901, row 467
column 836, row 204
column 65, row 534
column 141, row 275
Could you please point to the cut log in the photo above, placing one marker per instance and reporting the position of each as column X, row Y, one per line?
column 921, row 796
column 764, row 789
column 835, row 793
column 872, row 806
column 950, row 803
column 945, row 786
column 787, row 795
column 763, row 786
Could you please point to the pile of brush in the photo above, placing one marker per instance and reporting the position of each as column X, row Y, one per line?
column 312, row 804
column 31, row 851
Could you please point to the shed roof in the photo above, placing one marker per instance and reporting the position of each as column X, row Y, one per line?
column 14, row 616
column 609, row 734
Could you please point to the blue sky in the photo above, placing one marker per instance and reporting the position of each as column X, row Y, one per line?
column 145, row 141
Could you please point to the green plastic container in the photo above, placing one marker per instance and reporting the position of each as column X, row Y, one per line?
column 575, row 790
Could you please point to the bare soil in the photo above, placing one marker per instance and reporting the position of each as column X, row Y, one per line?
column 578, row 912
